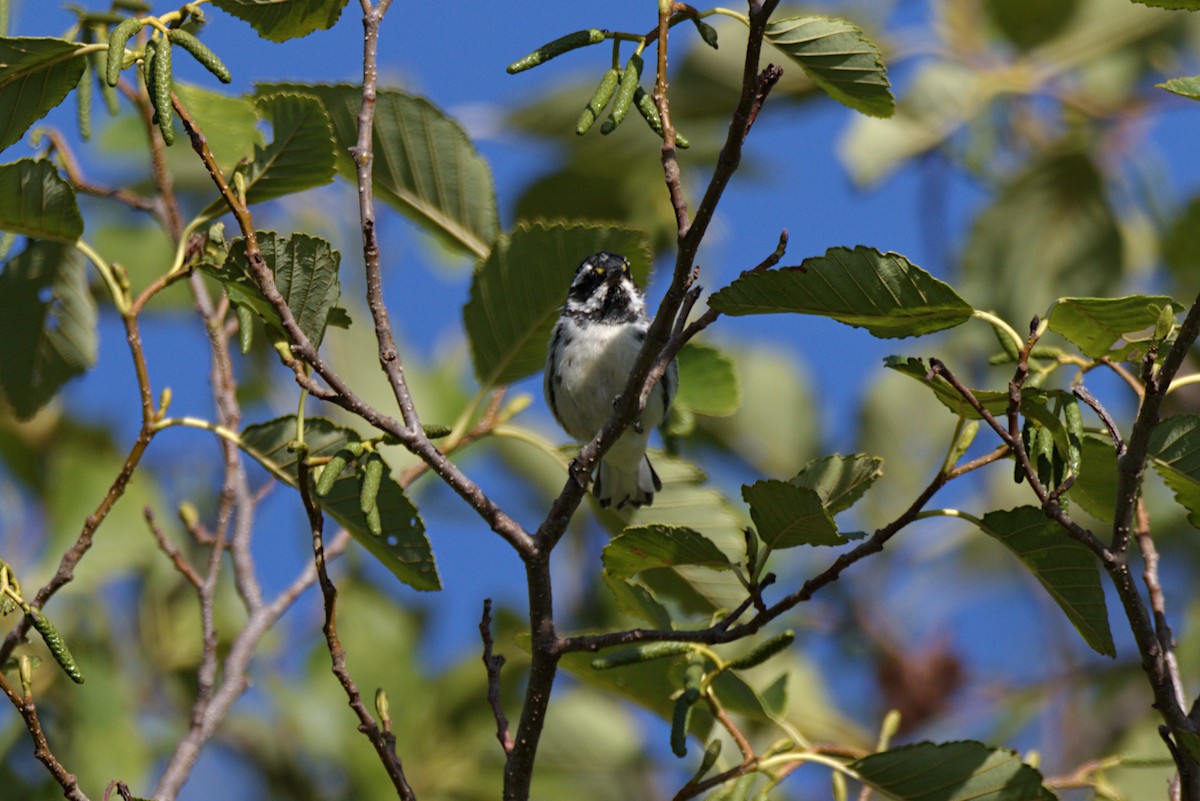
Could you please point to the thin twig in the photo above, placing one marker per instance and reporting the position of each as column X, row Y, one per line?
column 177, row 558
column 492, row 664
column 41, row 748
column 1081, row 392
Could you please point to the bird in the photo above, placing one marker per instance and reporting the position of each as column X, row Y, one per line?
column 594, row 344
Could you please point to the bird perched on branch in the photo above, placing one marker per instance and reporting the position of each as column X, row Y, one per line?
column 595, row 343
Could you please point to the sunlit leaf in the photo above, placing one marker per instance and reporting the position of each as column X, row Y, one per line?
column 786, row 515
column 1096, row 324
column 229, row 123
column 958, row 771
column 306, row 274
column 1175, row 448
column 637, row 600
column 649, row 547
column 1066, row 568
column 403, row 548
column 35, row 75
column 708, row 381
column 839, row 58
column 840, row 480
column 1186, row 87
column 517, row 291
column 884, row 293
column 36, row 202
column 47, row 324
column 280, row 20
column 299, row 157
column 425, row 165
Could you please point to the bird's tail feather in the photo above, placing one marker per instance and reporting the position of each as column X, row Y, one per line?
column 619, row 485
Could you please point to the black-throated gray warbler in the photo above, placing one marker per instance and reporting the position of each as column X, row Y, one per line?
column 595, row 343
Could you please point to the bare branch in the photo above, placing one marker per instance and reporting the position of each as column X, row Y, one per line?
column 492, row 664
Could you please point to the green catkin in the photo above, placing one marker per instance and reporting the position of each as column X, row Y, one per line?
column 148, row 72
column 599, row 101
column 109, row 94
column 374, row 522
column 83, row 97
column 625, row 91
column 136, row 6
column 1027, row 441
column 116, row 48
column 245, row 328
column 372, row 478
column 161, row 90
column 639, row 653
column 433, row 431
column 710, row 758
column 1043, row 451
column 201, row 53
column 764, row 651
column 707, row 32
column 333, row 468
column 1074, row 422
column 645, row 105
column 563, row 44
column 56, row 644
column 679, row 724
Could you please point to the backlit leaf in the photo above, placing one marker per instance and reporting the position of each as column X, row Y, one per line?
column 840, row 480
column 280, row 20
column 708, row 381
column 1175, row 448
column 1187, row 87
column 839, row 59
column 403, row 548
column 648, row 547
column 884, row 293
column 1096, row 324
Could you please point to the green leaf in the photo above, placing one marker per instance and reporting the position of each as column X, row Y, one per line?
column 36, row 202
column 637, row 600
column 517, row 291
column 425, row 165
column 403, row 548
column 840, row 480
column 884, row 293
column 35, row 75
column 230, row 124
column 306, row 274
column 1066, row 568
column 1174, row 5
column 47, row 324
column 300, row 157
column 839, row 59
column 1175, row 446
column 708, row 381
column 1187, row 87
column 958, row 771
column 1095, row 324
column 280, row 20
column 646, row 547
column 1029, row 23
column 787, row 515
column 1096, row 488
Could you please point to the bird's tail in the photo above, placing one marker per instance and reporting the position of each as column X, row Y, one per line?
column 618, row 484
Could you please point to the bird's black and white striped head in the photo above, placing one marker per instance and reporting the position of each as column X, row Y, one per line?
column 603, row 291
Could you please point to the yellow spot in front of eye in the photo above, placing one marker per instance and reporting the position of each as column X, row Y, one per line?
column 599, row 271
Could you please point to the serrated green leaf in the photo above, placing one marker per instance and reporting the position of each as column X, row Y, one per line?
column 230, row 124
column 1186, row 87
column 708, row 381
column 47, row 324
column 280, row 20
column 306, row 274
column 1096, row 488
column 517, row 291
column 35, row 75
column 882, row 292
column 648, row 547
column 957, row 771
column 425, row 165
column 1066, row 568
column 36, row 201
column 1175, row 448
column 403, row 548
column 840, row 480
column 787, row 515
column 299, row 157
column 1096, row 324
column 839, row 59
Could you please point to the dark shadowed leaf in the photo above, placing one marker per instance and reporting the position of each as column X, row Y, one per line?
column 1029, row 23
column 36, row 202
column 708, row 381
column 280, row 20
column 839, row 59
column 1095, row 324
column 35, row 75
column 403, row 548
column 959, row 771
column 300, row 155
column 840, row 480
column 1184, row 5
column 882, row 292
column 787, row 515
column 1175, row 448
column 47, row 324
column 1066, row 568
column 517, row 291
column 648, row 547
column 425, row 164
column 306, row 274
